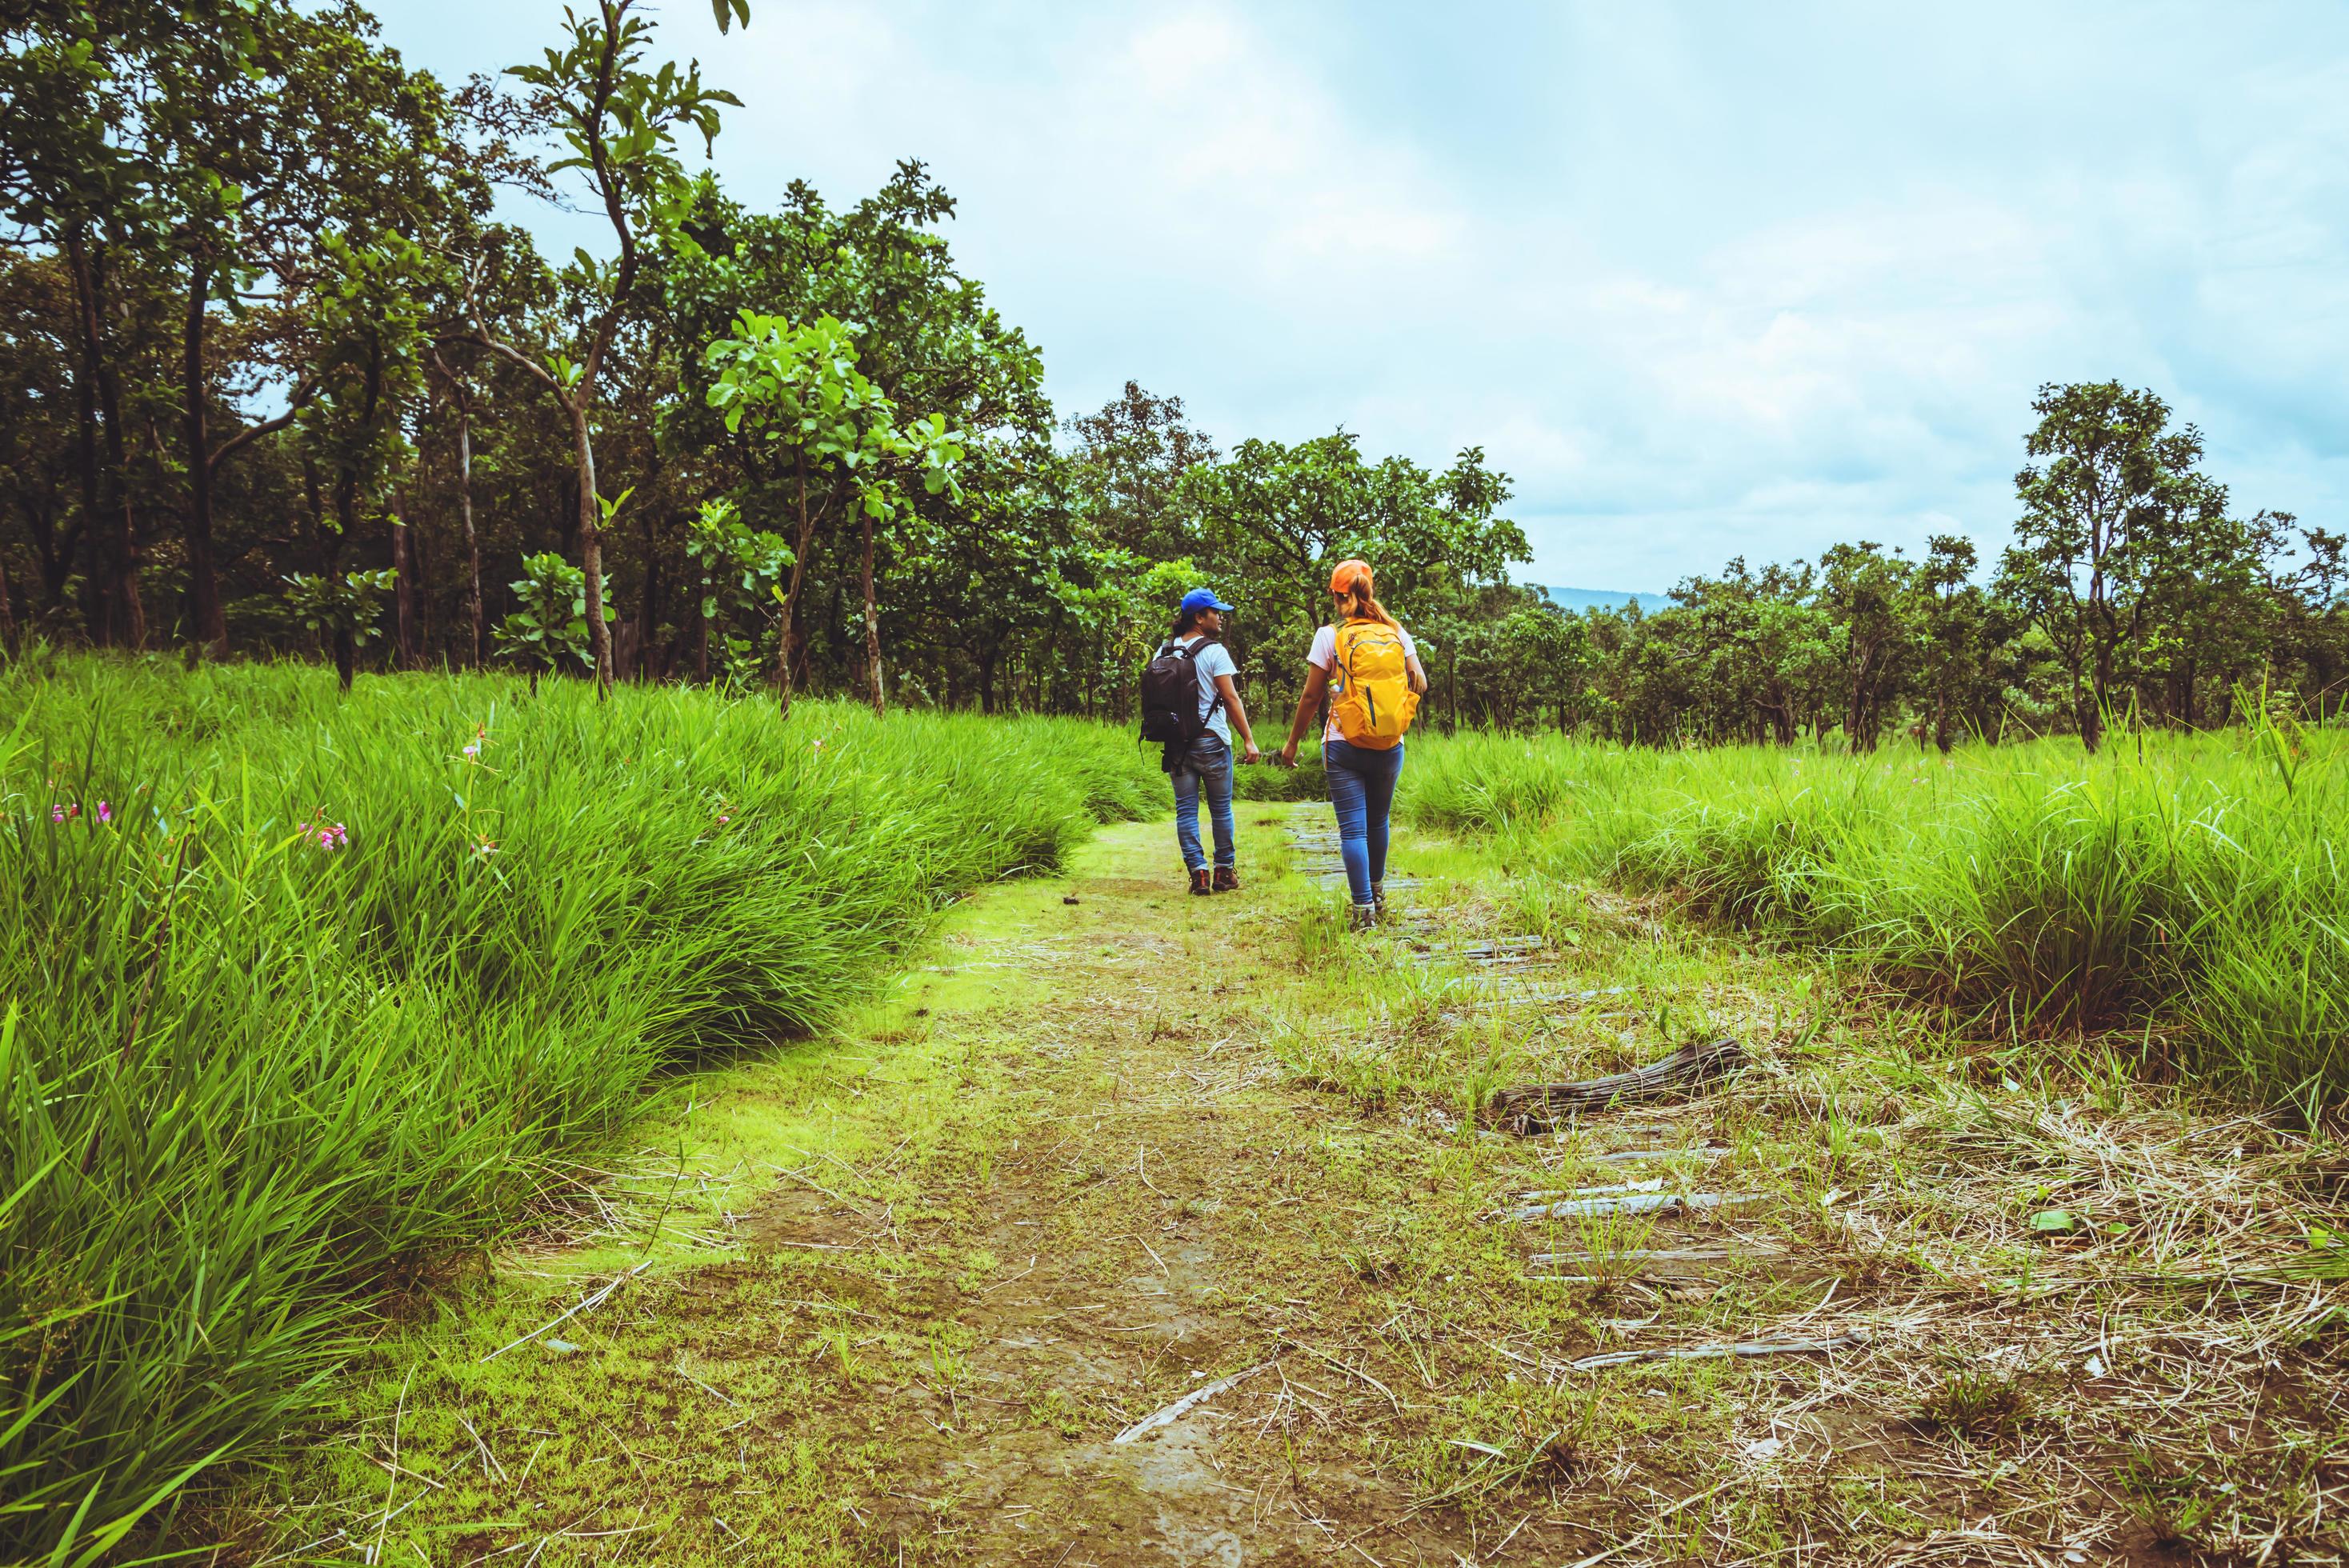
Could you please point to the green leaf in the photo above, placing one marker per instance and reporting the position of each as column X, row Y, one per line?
column 2053, row 1222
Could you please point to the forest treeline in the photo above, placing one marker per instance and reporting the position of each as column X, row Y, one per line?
column 277, row 379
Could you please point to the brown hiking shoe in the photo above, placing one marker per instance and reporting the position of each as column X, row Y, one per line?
column 1227, row 880
column 1199, row 883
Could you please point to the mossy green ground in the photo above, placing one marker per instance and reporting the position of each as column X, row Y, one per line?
column 887, row 1296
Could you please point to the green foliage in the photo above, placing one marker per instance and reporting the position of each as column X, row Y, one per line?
column 551, row 619
column 619, row 119
column 308, row 996
column 737, row 568
column 274, row 201
column 2115, row 517
column 349, row 603
column 803, row 387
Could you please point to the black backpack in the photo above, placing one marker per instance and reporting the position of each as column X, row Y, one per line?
column 1170, row 694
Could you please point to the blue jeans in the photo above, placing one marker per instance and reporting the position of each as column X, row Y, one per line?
column 1361, row 787
column 1206, row 766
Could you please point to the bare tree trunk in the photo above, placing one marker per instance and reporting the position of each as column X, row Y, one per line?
column 872, row 626
column 126, row 617
column 8, row 613
column 591, row 542
column 403, row 595
column 791, row 595
column 2092, row 712
column 209, row 623
column 420, row 556
column 648, row 602
column 465, row 511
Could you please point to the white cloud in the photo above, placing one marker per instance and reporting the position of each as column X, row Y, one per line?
column 1706, row 282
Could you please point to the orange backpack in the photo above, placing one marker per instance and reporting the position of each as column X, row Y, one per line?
column 1370, row 699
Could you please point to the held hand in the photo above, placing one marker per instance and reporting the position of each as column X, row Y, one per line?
column 1252, row 756
column 1289, row 755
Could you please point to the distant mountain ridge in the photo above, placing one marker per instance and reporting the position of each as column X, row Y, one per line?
column 1599, row 598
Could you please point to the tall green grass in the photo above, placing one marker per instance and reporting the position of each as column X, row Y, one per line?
column 304, row 997
column 2191, row 887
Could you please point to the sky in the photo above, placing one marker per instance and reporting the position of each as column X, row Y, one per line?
column 1706, row 280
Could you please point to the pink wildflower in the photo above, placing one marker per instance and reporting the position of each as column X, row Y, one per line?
column 332, row 837
column 105, row 812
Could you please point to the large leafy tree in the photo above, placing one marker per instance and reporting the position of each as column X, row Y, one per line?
column 288, row 143
column 1126, row 470
column 799, row 388
column 1963, row 631
column 2113, row 504
column 1273, row 517
column 1870, row 598
column 925, row 338
column 619, row 119
column 78, row 170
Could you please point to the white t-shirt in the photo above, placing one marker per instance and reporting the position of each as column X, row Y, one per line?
column 1213, row 660
column 1324, row 653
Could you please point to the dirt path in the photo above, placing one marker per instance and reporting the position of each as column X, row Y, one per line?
column 903, row 1296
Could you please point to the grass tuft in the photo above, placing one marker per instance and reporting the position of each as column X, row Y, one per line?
column 2181, row 891
column 1977, row 1405
column 308, row 995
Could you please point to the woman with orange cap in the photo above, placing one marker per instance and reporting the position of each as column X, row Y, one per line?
column 1369, row 668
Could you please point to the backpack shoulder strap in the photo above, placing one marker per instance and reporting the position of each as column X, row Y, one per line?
column 1198, row 646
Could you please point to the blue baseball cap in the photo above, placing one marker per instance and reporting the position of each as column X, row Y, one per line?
column 1202, row 599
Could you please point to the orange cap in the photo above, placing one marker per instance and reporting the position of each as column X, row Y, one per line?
column 1349, row 573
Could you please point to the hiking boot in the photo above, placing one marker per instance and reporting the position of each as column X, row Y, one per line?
column 1199, row 883
column 1227, row 880
column 1362, row 916
column 1378, row 901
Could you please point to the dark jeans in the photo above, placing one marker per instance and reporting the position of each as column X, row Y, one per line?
column 1361, row 787
column 1206, row 769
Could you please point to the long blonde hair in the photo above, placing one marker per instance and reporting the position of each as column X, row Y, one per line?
column 1362, row 606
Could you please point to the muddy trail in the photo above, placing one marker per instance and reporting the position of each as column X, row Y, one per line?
column 1135, row 1228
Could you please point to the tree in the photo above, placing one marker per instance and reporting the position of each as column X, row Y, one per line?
column 1870, row 598
column 803, row 389
column 551, row 619
column 2107, row 514
column 39, row 435
column 620, row 122
column 1961, row 633
column 1127, row 470
column 75, row 169
column 286, row 140
column 2315, row 630
column 1545, row 660
column 343, row 607
column 1276, row 516
column 927, row 340
column 738, row 567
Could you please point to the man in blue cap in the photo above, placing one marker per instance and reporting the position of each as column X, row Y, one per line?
column 1205, row 766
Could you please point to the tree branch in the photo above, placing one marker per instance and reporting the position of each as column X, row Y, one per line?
column 303, row 393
